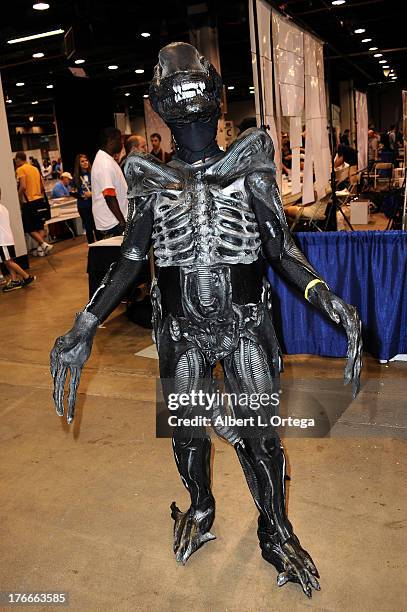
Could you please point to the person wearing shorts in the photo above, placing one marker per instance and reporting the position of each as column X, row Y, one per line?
column 18, row 277
column 35, row 208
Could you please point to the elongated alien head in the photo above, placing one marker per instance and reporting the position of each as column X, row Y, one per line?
column 185, row 87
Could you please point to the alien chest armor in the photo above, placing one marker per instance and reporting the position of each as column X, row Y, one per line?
column 203, row 230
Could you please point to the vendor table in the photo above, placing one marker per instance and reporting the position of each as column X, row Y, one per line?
column 367, row 269
column 63, row 210
column 101, row 255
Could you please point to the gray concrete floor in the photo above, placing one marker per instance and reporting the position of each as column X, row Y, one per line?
column 85, row 509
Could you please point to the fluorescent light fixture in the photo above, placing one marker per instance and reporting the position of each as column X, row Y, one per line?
column 9, row 100
column 139, row 71
column 35, row 36
column 338, row 2
column 79, row 61
column 34, row 102
column 50, row 86
column 373, row 48
column 366, row 40
column 378, row 55
column 20, row 84
column 145, row 95
column 38, row 55
column 127, row 93
column 230, row 87
column 145, row 34
column 359, row 30
column 394, row 78
column 31, row 118
column 386, row 66
column 41, row 6
column 382, row 61
column 113, row 67
column 251, row 91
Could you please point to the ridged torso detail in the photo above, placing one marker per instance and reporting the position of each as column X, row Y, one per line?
column 204, row 224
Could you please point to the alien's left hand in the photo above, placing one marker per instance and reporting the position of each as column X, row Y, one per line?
column 341, row 312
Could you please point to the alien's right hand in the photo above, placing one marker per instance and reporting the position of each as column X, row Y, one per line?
column 71, row 352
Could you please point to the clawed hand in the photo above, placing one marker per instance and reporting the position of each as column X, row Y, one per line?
column 341, row 312
column 70, row 352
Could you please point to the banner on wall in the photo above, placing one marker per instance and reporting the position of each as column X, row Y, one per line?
column 292, row 67
column 266, row 60
column 155, row 125
column 362, row 126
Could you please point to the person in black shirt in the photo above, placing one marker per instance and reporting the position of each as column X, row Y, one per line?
column 345, row 154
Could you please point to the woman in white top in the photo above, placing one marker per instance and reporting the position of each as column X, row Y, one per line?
column 18, row 277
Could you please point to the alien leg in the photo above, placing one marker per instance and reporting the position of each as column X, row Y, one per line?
column 192, row 452
column 247, row 371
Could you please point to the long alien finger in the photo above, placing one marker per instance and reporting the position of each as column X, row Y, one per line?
column 54, row 360
column 73, row 388
column 356, row 373
column 353, row 340
column 59, row 389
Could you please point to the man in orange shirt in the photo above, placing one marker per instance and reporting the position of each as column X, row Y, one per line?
column 34, row 205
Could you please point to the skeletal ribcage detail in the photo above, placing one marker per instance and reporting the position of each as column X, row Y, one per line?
column 204, row 226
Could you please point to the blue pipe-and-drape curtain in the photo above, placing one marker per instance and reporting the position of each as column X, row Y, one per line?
column 367, row 269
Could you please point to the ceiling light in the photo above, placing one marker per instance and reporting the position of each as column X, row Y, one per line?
column 31, row 118
column 373, row 48
column 145, row 95
column 230, row 87
column 366, row 40
column 40, row 6
column 139, row 71
column 38, row 55
column 360, row 31
column 338, row 2
column 79, row 61
column 251, row 91
column 145, row 34
column 20, row 84
column 127, row 93
column 9, row 100
column 113, row 67
column 382, row 61
column 50, row 86
column 34, row 102
column 378, row 55
column 35, row 36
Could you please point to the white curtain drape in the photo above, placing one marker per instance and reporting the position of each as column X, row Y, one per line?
column 299, row 88
column 362, row 123
column 266, row 58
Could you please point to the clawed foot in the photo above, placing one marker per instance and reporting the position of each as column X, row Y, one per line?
column 191, row 530
column 293, row 563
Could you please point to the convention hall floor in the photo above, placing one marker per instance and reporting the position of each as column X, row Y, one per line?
column 85, row 509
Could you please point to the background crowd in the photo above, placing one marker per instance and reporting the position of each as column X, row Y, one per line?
column 100, row 190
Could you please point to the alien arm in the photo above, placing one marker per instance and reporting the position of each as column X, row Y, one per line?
column 278, row 245
column 123, row 274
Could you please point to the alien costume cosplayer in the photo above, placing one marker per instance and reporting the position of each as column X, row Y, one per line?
column 213, row 219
